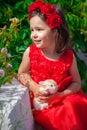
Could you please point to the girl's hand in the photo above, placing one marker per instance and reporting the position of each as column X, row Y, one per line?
column 41, row 93
column 35, row 89
column 51, row 98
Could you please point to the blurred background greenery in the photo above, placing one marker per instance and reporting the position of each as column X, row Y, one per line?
column 15, row 34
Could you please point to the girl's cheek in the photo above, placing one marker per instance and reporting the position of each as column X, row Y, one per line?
column 47, row 38
column 31, row 36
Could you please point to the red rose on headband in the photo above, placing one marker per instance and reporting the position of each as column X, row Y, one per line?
column 47, row 9
column 35, row 6
column 54, row 21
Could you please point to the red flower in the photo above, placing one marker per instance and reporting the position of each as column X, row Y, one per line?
column 54, row 21
column 47, row 9
column 52, row 17
column 35, row 6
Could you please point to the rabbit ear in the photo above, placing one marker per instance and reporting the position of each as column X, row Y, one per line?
column 41, row 83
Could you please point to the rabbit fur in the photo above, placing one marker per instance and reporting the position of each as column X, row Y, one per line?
column 50, row 87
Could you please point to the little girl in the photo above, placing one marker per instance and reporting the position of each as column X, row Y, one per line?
column 50, row 57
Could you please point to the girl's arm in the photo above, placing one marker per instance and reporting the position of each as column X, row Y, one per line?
column 76, row 82
column 23, row 73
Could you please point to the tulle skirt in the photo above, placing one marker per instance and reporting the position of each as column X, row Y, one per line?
column 66, row 113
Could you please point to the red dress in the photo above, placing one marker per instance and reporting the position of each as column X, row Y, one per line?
column 66, row 113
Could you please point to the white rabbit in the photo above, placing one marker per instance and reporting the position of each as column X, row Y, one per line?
column 50, row 87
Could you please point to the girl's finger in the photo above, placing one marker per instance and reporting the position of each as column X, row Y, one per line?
column 43, row 99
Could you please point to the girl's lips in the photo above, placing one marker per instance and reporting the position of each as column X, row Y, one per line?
column 37, row 41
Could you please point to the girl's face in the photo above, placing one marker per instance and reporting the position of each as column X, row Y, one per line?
column 41, row 34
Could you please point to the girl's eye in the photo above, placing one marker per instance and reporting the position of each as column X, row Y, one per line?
column 31, row 30
column 39, row 29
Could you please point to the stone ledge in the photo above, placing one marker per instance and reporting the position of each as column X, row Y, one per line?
column 15, row 109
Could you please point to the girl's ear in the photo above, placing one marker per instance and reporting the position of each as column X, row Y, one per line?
column 56, row 33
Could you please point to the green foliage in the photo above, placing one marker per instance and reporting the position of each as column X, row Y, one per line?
column 15, row 36
column 6, row 73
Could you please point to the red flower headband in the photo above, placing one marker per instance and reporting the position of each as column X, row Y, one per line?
column 52, row 17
